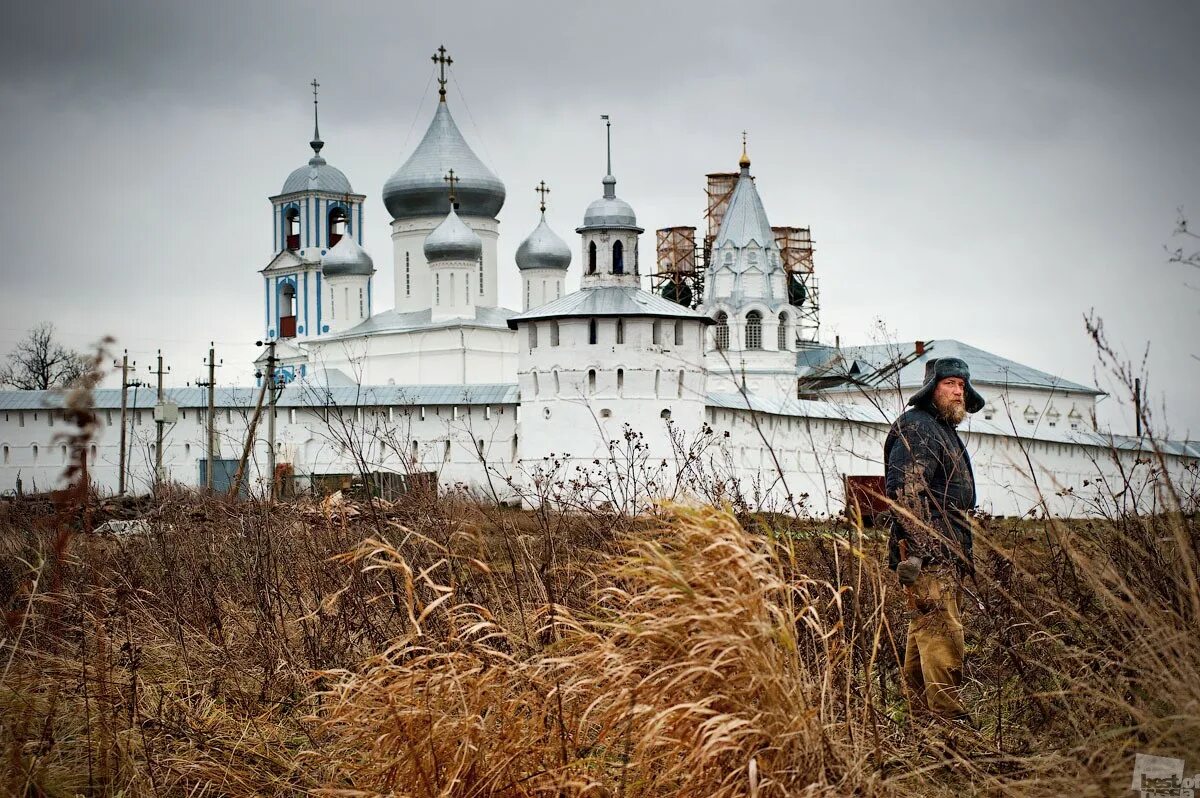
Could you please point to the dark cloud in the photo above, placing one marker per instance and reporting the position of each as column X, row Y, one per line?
column 988, row 172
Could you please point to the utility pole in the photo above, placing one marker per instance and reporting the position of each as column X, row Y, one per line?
column 159, row 422
column 271, row 416
column 211, row 450
column 1137, row 403
column 126, row 384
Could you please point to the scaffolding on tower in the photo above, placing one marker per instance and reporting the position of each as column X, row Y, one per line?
column 796, row 251
column 676, row 277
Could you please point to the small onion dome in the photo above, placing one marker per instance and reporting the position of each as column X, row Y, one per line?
column 543, row 249
column 346, row 258
column 452, row 240
column 318, row 175
column 417, row 188
column 609, row 211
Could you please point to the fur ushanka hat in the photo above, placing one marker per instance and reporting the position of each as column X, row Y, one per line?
column 938, row 369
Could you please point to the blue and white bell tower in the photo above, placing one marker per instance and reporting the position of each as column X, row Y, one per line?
column 315, row 210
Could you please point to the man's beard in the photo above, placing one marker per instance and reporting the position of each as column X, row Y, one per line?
column 952, row 411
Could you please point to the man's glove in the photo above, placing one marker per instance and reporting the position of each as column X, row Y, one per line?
column 908, row 571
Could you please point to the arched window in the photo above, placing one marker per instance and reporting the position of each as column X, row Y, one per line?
column 287, row 311
column 620, row 382
column 618, row 258
column 591, row 331
column 291, row 228
column 620, row 331
column 537, row 389
column 722, row 332
column 591, row 381
column 337, row 225
column 592, row 258
column 754, row 330
column 781, row 334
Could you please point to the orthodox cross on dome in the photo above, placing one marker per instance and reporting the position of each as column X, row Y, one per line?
column 543, row 190
column 316, row 143
column 442, row 60
column 453, row 181
column 745, row 159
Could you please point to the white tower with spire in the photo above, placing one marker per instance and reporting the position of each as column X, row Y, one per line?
column 610, row 234
column 415, row 196
column 315, row 210
column 543, row 259
column 752, row 345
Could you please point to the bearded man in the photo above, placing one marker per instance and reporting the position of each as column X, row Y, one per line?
column 930, row 481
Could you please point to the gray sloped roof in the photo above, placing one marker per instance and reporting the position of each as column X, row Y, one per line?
column 418, row 187
column 610, row 301
column 294, row 395
column 986, row 367
column 390, row 321
column 745, row 219
column 786, row 406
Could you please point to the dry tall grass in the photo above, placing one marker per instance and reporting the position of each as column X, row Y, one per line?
column 463, row 650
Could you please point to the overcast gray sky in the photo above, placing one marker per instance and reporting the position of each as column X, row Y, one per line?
column 986, row 172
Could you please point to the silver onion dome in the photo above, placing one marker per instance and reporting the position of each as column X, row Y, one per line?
column 543, row 249
column 452, row 240
column 418, row 187
column 610, row 211
column 317, row 175
column 346, row 258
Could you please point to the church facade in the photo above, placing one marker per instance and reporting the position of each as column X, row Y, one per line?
column 600, row 393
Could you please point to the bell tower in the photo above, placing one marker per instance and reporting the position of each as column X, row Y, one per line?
column 609, row 235
column 315, row 209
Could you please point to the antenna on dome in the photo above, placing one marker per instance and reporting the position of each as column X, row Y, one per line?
column 316, row 143
column 442, row 60
column 543, row 190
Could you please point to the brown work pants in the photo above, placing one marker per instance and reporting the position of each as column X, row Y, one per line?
column 933, row 656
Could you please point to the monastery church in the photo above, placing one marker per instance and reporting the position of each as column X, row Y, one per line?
column 699, row 374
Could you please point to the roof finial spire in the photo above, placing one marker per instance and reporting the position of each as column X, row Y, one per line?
column 608, row 140
column 543, row 190
column 744, row 161
column 453, row 181
column 442, row 60
column 610, row 182
column 316, row 143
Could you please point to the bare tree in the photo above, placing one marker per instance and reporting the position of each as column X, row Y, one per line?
column 38, row 362
column 1187, row 253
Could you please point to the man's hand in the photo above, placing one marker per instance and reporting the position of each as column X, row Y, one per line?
column 908, row 571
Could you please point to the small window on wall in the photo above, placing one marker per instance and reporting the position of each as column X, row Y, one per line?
column 554, row 333
column 620, row 331
column 591, row 380
column 722, row 332
column 533, row 336
column 618, row 258
column 592, row 258
column 591, row 331
column 678, row 333
column 656, row 332
column 781, row 335
column 754, row 330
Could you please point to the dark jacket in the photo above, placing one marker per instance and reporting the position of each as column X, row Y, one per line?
column 929, row 474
